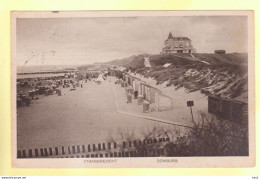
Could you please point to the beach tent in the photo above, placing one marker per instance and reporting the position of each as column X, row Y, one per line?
column 100, row 78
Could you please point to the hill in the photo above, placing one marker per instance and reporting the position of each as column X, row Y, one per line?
column 135, row 61
column 219, row 74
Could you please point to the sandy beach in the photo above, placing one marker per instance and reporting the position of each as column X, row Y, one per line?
column 84, row 116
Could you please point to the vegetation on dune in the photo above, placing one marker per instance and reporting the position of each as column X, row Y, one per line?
column 137, row 62
column 210, row 137
column 224, row 75
column 207, row 137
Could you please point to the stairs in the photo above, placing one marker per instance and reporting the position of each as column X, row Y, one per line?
column 147, row 62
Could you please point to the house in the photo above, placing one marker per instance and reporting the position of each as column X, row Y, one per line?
column 177, row 45
column 220, row 51
column 229, row 109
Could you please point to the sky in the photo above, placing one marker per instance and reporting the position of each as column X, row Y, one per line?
column 75, row 41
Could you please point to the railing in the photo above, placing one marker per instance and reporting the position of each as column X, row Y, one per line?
column 163, row 102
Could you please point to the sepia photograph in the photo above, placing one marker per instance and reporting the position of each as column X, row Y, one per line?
column 133, row 88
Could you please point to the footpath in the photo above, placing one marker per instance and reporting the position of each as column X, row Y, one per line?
column 172, row 117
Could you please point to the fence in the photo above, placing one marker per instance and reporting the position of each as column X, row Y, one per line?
column 228, row 109
column 136, row 148
column 149, row 93
column 163, row 102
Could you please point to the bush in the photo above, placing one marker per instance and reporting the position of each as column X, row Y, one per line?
column 207, row 137
column 212, row 137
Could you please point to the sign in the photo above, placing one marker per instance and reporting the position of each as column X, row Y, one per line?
column 190, row 103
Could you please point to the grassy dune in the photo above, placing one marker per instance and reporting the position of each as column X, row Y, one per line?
column 224, row 75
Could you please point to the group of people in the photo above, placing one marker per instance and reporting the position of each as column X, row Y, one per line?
column 30, row 89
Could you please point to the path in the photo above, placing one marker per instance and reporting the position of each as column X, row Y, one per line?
column 147, row 62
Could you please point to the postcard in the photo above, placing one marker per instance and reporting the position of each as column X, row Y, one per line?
column 132, row 89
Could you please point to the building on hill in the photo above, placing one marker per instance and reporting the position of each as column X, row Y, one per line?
column 220, row 51
column 177, row 45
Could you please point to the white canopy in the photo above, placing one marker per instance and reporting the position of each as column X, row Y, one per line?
column 100, row 78
column 166, row 65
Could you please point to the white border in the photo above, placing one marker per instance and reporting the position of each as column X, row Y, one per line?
column 137, row 162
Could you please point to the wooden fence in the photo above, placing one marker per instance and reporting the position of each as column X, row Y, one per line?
column 136, row 148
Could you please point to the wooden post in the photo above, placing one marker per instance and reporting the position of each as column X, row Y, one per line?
column 19, row 154
column 73, row 150
column 62, row 150
column 36, row 152
column 83, row 148
column 42, row 154
column 191, row 113
column 190, row 104
column 56, row 150
column 30, row 153
column 78, row 149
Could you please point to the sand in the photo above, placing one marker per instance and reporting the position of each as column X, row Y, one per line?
column 84, row 116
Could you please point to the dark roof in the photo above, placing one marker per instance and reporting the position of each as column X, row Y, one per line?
column 220, row 51
column 181, row 38
column 170, row 36
column 176, row 38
